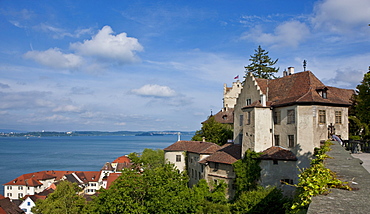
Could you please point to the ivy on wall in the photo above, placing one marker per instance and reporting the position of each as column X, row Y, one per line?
column 315, row 180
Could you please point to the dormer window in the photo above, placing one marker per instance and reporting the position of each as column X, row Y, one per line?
column 323, row 92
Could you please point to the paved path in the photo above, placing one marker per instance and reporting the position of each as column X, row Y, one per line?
column 365, row 157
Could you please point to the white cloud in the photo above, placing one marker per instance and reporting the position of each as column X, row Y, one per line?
column 60, row 33
column 107, row 46
column 55, row 58
column 4, row 86
column 154, row 91
column 287, row 34
column 67, row 108
column 341, row 16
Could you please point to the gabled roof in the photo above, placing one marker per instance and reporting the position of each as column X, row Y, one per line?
column 225, row 116
column 6, row 206
column 121, row 166
column 122, row 159
column 278, row 153
column 33, row 179
column 107, row 166
column 302, row 88
column 111, row 178
column 227, row 154
column 199, row 147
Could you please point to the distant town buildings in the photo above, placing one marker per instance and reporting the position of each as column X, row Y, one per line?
column 37, row 185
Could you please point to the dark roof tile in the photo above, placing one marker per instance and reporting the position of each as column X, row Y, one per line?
column 278, row 153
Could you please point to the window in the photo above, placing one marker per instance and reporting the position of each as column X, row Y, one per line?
column 275, row 162
column 277, row 117
column 28, row 203
column 277, row 140
column 199, row 176
column 178, row 158
column 9, row 194
column 241, row 120
column 20, row 188
column 290, row 141
column 192, row 173
column 248, row 102
column 286, row 181
column 9, row 187
column 322, row 116
column 216, row 166
column 240, row 138
column 338, row 117
column 20, row 195
column 248, row 118
column 24, row 210
column 215, row 181
column 324, row 94
column 291, row 116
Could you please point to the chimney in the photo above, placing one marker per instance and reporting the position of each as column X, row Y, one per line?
column 285, row 73
column 290, row 70
column 204, row 139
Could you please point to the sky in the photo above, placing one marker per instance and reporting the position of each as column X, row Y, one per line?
column 161, row 65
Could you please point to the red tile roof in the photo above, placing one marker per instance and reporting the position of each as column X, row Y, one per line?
column 122, row 159
column 228, row 154
column 278, row 153
column 199, row 147
column 111, row 178
column 33, row 179
column 302, row 88
column 6, row 206
column 225, row 116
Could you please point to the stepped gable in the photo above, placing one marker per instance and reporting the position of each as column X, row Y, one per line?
column 227, row 154
column 302, row 87
column 278, row 153
column 199, row 147
column 7, row 207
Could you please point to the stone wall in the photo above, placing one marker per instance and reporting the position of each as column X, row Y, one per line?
column 342, row 201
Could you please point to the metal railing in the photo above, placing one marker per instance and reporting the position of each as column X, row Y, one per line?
column 356, row 146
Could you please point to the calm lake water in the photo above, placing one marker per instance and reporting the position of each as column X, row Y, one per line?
column 20, row 155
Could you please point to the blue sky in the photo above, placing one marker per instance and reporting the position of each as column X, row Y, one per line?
column 161, row 65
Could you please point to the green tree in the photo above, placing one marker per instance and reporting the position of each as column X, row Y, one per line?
column 260, row 200
column 214, row 132
column 156, row 190
column 247, row 171
column 261, row 65
column 362, row 105
column 65, row 199
column 149, row 158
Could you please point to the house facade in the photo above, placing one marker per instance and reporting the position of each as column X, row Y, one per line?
column 296, row 112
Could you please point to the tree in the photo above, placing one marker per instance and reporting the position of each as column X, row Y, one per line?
column 247, row 172
column 155, row 190
column 214, row 132
column 360, row 120
column 261, row 65
column 149, row 158
column 65, row 199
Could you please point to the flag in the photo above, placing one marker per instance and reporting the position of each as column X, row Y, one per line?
column 237, row 77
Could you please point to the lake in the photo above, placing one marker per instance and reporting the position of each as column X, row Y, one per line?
column 20, row 155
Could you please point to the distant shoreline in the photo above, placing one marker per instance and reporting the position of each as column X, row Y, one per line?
column 93, row 133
